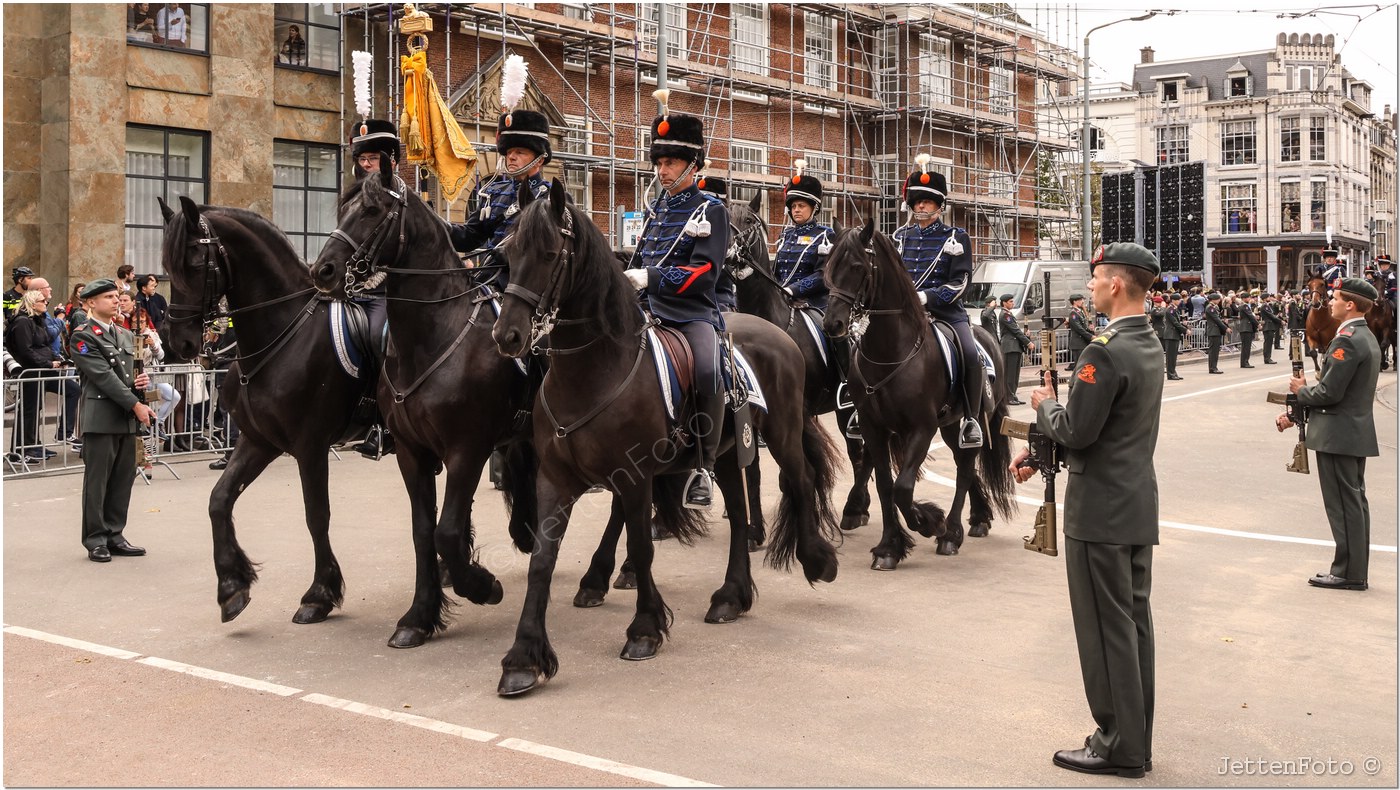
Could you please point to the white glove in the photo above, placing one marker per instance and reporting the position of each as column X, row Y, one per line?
column 788, row 291
column 952, row 246
column 744, row 273
column 637, row 277
column 923, row 297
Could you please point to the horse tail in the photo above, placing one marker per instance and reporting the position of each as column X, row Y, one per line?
column 994, row 460
column 823, row 455
column 671, row 515
column 518, row 491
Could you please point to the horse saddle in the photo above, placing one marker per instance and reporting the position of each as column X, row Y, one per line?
column 360, row 355
column 675, row 373
column 812, row 318
column 952, row 354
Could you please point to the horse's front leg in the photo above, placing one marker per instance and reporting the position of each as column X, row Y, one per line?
column 895, row 544
column 735, row 596
column 531, row 660
column 236, row 573
column 950, row 539
column 924, row 518
column 653, row 618
column 327, row 588
column 427, row 615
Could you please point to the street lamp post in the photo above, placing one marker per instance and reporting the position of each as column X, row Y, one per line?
column 1086, row 220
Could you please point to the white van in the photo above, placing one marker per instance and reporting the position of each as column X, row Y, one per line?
column 1025, row 281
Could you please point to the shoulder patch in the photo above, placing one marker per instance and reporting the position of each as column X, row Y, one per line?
column 1347, row 332
column 1340, row 355
column 81, row 347
column 1086, row 374
column 1105, row 336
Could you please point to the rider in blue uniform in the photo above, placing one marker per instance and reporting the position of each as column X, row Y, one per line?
column 1385, row 277
column 369, row 139
column 939, row 259
column 677, row 265
column 726, row 293
column 1333, row 270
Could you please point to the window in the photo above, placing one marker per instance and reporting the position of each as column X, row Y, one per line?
column 745, row 157
column 819, row 62
column 1291, row 207
column 675, row 27
column 1238, row 86
column 1290, row 144
column 1317, row 139
column 1169, row 90
column 1173, row 146
column 935, row 70
column 1001, row 83
column 164, row 163
column 579, row 11
column 307, row 36
column 1318, row 207
column 891, row 69
column 1237, row 142
column 577, row 179
column 1304, row 79
column 183, row 26
column 750, row 48
column 1237, row 204
column 888, row 180
column 823, row 167
column 1001, row 184
column 305, row 189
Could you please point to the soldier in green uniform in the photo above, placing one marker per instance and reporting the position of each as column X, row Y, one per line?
column 1246, row 323
column 1173, row 332
column 1014, row 343
column 104, row 354
column 1080, row 336
column 1342, row 431
column 1216, row 329
column 989, row 317
column 1108, row 429
column 1271, row 321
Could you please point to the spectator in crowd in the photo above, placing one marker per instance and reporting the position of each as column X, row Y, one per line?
column 30, row 343
column 66, row 388
column 140, row 22
column 75, row 305
column 294, row 48
column 21, row 276
column 126, row 305
column 171, row 29
column 126, row 279
column 152, row 302
column 1198, row 304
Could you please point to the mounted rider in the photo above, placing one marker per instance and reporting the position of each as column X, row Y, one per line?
column 1385, row 277
column 939, row 259
column 522, row 151
column 726, row 292
column 677, row 265
column 1333, row 270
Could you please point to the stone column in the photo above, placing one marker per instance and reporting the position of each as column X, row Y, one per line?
column 241, row 108
column 24, row 49
column 1271, row 267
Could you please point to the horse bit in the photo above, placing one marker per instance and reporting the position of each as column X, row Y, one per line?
column 361, row 263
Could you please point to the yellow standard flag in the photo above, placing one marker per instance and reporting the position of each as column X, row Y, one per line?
column 431, row 135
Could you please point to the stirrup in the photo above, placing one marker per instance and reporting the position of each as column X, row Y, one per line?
column 698, row 491
column 852, row 429
column 373, row 445
column 843, row 397
column 970, row 435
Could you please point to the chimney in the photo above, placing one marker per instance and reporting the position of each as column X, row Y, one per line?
column 1147, row 55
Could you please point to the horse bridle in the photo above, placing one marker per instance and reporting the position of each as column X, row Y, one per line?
column 362, row 262
column 218, row 278
column 860, row 314
column 546, row 305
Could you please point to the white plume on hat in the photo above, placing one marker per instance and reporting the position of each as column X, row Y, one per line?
column 799, row 166
column 363, row 64
column 663, row 97
column 922, row 161
column 513, row 78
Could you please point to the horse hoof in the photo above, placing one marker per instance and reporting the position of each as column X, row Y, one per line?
column 755, row 545
column 626, row 580
column 947, row 548
column 722, row 612
column 311, row 613
column 497, row 593
column 979, row 530
column 518, row 681
column 880, row 563
column 234, row 605
column 854, row 521
column 587, row 599
column 406, row 636
column 640, row 649
column 826, row 573
column 444, row 574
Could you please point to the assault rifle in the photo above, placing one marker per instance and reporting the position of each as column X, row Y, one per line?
column 1044, row 453
column 1296, row 413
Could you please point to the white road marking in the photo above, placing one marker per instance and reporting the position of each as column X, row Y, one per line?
column 412, row 720
column 1226, row 387
column 934, row 477
column 222, row 677
column 402, row 718
column 599, row 764
column 114, row 652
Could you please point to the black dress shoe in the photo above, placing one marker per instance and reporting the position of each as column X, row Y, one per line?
column 1330, row 582
column 221, row 463
column 1217, row 372
column 99, row 554
column 1270, row 362
column 1015, row 401
column 1174, row 377
column 1086, row 762
column 120, row 548
column 1246, row 366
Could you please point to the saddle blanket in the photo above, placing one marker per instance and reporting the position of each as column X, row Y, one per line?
column 350, row 337
column 496, row 311
column 671, row 385
column 950, row 356
column 810, row 316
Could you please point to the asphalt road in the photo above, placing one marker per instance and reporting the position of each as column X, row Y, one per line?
column 950, row 671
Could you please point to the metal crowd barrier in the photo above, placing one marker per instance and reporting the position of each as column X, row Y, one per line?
column 43, row 421
column 1195, row 340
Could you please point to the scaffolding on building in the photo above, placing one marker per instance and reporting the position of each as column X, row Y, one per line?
column 878, row 84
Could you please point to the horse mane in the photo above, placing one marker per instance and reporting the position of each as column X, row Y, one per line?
column 599, row 289
column 177, row 233
column 762, row 259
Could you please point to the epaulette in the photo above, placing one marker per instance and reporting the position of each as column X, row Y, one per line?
column 1346, row 331
column 1106, row 335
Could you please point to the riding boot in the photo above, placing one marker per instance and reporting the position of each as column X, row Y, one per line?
column 708, row 428
column 377, row 442
column 846, row 417
column 970, row 432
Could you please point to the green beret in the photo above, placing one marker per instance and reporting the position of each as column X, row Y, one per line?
column 1359, row 287
column 97, row 288
column 1213, row 296
column 1175, row 296
column 1125, row 253
column 1007, row 297
column 1075, row 297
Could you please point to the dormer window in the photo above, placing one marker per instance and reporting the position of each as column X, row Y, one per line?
column 1238, row 83
column 1169, row 91
column 1239, row 86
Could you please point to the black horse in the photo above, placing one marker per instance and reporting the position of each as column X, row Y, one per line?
column 447, row 397
column 762, row 295
column 599, row 419
column 287, row 362
column 900, row 385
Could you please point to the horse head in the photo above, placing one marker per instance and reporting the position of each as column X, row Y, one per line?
column 850, row 273
column 195, row 258
column 540, row 251
column 748, row 249
column 370, row 229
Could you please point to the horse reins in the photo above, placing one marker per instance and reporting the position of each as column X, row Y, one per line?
column 859, row 312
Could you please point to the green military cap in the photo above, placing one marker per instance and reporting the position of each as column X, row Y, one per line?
column 1176, row 296
column 1007, row 297
column 1075, row 297
column 1125, row 253
column 1356, row 286
column 1213, row 296
column 97, row 288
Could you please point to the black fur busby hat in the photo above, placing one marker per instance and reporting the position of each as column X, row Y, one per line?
column 374, row 135
column 1331, row 251
column 923, row 185
column 1383, row 260
column 802, row 187
column 523, row 129
column 675, row 134
column 713, row 184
